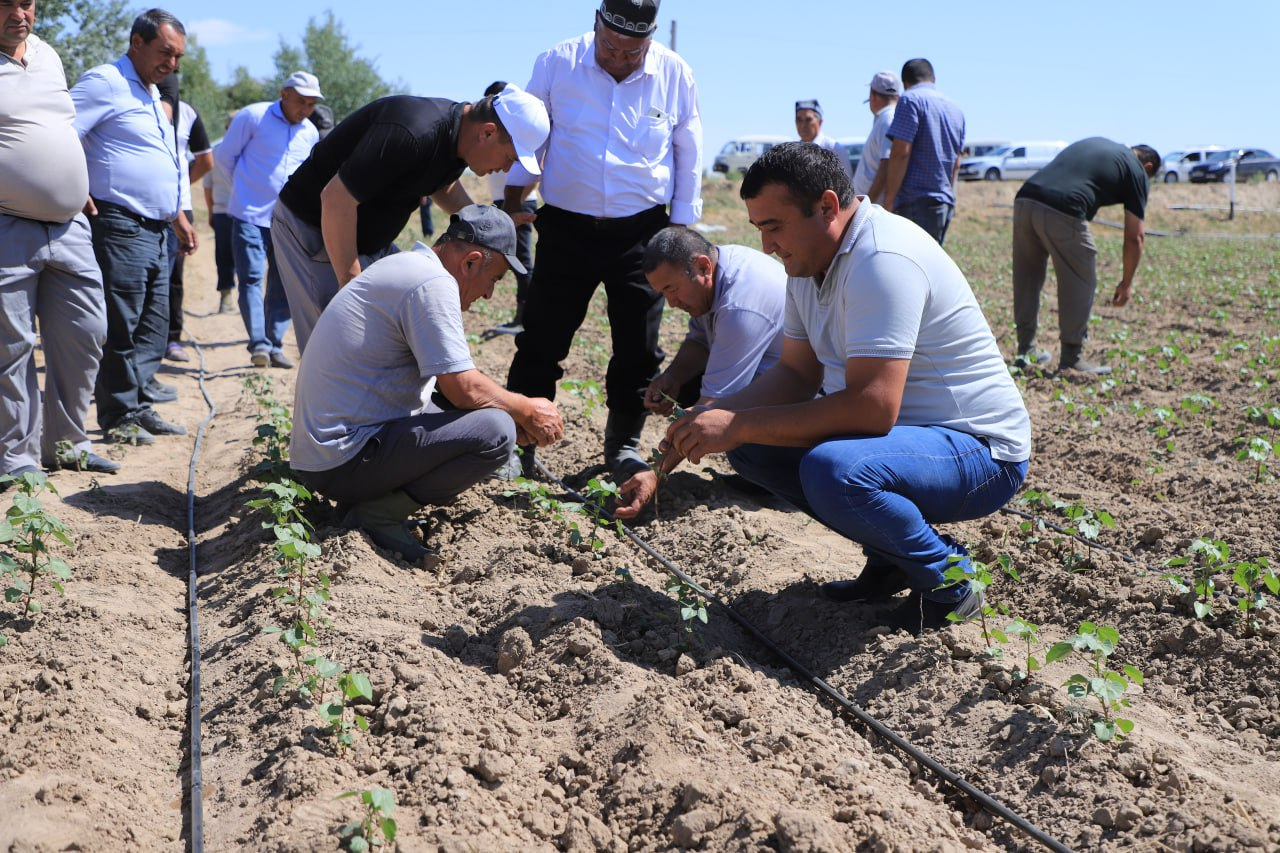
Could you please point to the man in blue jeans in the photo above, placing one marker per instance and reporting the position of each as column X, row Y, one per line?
column 265, row 143
column 916, row 422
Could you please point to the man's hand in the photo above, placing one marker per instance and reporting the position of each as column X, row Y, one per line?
column 1123, row 292
column 655, row 396
column 523, row 217
column 90, row 209
column 543, row 424
column 188, row 242
column 697, row 435
column 637, row 491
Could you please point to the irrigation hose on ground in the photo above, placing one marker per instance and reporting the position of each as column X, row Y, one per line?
column 195, row 789
column 952, row 778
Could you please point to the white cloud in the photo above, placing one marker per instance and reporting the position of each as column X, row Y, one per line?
column 216, row 32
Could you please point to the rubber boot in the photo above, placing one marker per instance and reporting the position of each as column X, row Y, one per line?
column 384, row 520
column 622, row 444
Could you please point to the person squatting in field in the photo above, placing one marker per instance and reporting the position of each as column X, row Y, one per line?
column 916, row 420
column 361, row 433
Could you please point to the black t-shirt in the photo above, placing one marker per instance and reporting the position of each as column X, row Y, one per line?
column 198, row 141
column 1090, row 174
column 390, row 153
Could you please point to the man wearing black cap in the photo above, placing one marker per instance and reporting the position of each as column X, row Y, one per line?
column 624, row 160
column 360, row 434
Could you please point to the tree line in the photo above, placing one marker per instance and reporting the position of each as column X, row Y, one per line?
column 91, row 32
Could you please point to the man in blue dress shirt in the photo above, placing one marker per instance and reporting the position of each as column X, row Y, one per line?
column 265, row 143
column 134, row 185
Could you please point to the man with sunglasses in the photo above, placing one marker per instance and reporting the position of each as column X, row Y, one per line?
column 623, row 161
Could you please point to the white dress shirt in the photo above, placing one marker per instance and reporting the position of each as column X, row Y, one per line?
column 617, row 149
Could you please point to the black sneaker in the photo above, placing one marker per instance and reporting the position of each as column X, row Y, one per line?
column 1085, row 366
column 158, row 392
column 918, row 614
column 128, row 431
column 876, row 583
column 1032, row 358
column 151, row 421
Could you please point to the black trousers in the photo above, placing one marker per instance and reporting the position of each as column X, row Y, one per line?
column 575, row 254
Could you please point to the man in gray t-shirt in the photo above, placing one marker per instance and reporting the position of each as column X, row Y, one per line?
column 735, row 297
column 361, row 434
column 918, row 421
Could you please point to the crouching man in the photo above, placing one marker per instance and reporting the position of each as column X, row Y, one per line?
column 734, row 296
column 361, row 435
column 918, row 421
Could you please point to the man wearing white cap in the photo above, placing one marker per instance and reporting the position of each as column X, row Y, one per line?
column 623, row 161
column 869, row 179
column 348, row 202
column 265, row 143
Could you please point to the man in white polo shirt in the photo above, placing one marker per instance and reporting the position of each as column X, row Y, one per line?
column 47, row 268
column 916, row 421
column 263, row 146
column 869, row 179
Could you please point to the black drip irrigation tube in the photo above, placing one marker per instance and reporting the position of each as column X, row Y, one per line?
column 993, row 806
column 195, row 786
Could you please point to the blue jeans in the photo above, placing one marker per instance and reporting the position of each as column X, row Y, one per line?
column 886, row 492
column 255, row 261
column 135, row 276
column 930, row 214
column 222, row 256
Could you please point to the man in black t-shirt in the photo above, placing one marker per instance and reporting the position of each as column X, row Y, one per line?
column 345, row 205
column 1051, row 215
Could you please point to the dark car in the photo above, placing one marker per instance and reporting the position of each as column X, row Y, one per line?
column 1250, row 163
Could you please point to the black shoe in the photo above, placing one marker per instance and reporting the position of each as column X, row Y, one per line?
column 876, row 583
column 86, row 461
column 1081, row 365
column 158, row 392
column 1031, row 358
column 149, row 420
column 279, row 359
column 918, row 614
column 128, row 431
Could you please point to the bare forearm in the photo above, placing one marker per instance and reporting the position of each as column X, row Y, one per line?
column 339, row 214
column 778, row 386
column 812, row 421
column 1132, row 256
column 471, row 389
column 876, row 191
column 513, row 197
column 689, row 361
column 897, row 170
column 452, row 198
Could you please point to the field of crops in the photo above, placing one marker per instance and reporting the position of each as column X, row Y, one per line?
column 547, row 686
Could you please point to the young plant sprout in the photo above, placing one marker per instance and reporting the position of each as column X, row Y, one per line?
column 29, row 530
column 376, row 827
column 1104, row 684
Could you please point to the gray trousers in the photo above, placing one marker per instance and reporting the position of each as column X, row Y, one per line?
column 47, row 272
column 305, row 271
column 433, row 457
column 1040, row 232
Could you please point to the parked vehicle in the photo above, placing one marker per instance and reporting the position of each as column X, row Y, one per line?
column 853, row 144
column 737, row 155
column 982, row 147
column 1178, row 165
column 1250, row 163
column 1020, row 160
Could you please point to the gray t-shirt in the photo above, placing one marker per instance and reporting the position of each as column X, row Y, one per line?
column 893, row 292
column 743, row 330
column 43, row 175
column 383, row 337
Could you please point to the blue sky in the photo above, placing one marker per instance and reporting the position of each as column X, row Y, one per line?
column 1168, row 74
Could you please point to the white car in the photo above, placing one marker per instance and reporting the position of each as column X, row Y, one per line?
column 1177, row 170
column 1020, row 160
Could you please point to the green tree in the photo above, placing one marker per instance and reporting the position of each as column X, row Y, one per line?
column 84, row 32
column 200, row 89
column 247, row 89
column 348, row 81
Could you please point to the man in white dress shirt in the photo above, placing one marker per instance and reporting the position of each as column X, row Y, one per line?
column 624, row 160
column 869, row 179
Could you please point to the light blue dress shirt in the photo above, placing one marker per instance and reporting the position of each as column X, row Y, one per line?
column 128, row 141
column 258, row 154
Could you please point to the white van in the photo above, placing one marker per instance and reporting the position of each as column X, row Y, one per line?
column 981, row 147
column 1019, row 160
column 1177, row 166
column 738, row 154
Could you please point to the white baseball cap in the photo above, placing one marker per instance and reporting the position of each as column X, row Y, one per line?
column 304, row 83
column 525, row 119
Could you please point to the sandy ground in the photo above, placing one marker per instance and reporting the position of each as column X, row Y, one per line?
column 526, row 696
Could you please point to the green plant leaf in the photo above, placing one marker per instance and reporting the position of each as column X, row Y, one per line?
column 1135, row 674
column 1104, row 730
column 388, row 827
column 1058, row 651
column 358, row 685
column 1202, row 609
column 382, row 800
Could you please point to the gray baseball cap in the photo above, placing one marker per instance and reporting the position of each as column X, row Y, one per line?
column 885, row 83
column 487, row 226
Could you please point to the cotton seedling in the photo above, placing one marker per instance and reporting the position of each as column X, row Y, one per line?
column 690, row 603
column 537, row 495
column 1104, row 684
column 978, row 578
column 1253, row 577
column 29, row 531
column 1257, row 450
column 273, row 435
column 350, row 686
column 376, row 827
column 1210, row 558
column 1029, row 634
column 585, row 391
